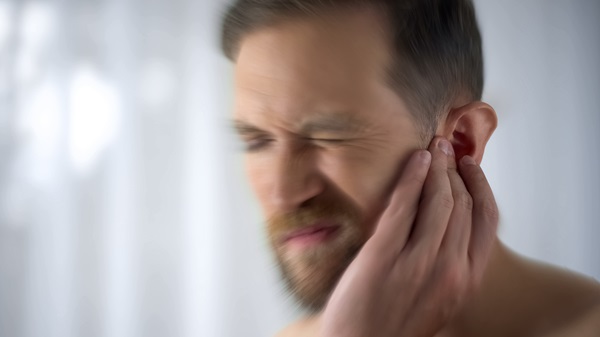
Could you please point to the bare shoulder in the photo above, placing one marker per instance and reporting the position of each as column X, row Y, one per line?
column 285, row 332
column 300, row 328
column 563, row 284
column 567, row 303
column 289, row 331
column 585, row 325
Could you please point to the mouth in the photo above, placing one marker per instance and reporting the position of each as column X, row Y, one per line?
column 315, row 234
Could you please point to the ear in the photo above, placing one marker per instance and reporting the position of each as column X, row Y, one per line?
column 468, row 128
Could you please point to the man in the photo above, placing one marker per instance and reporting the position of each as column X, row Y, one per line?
column 364, row 133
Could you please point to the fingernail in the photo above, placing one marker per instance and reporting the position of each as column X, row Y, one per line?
column 468, row 160
column 446, row 147
column 425, row 157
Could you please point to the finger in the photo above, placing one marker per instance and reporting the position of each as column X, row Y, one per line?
column 485, row 213
column 456, row 239
column 396, row 221
column 436, row 202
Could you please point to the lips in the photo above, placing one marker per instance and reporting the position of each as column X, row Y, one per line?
column 314, row 234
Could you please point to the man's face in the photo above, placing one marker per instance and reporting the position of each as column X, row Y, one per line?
column 326, row 139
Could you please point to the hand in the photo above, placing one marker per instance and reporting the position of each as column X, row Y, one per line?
column 426, row 256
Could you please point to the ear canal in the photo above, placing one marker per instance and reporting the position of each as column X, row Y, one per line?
column 462, row 144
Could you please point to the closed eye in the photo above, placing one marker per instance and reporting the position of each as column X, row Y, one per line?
column 256, row 144
column 327, row 143
column 260, row 143
column 326, row 140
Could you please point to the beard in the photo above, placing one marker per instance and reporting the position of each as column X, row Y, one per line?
column 312, row 273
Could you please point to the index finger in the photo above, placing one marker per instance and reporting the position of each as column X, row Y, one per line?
column 396, row 221
column 485, row 213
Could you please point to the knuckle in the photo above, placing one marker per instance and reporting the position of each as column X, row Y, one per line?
column 445, row 200
column 452, row 275
column 398, row 214
column 455, row 286
column 417, row 178
column 490, row 209
column 464, row 199
column 453, row 279
column 401, row 209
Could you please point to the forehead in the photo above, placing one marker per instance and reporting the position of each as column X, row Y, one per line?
column 330, row 63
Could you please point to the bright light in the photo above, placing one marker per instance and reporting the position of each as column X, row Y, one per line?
column 94, row 117
column 6, row 23
column 37, row 24
column 157, row 84
column 39, row 125
column 45, row 121
column 27, row 68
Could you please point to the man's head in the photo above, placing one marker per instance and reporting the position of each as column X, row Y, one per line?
column 331, row 98
column 434, row 45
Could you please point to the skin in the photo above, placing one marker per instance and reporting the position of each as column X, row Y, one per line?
column 428, row 219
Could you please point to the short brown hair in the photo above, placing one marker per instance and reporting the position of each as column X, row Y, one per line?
column 436, row 44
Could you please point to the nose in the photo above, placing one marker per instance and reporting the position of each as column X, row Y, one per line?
column 295, row 180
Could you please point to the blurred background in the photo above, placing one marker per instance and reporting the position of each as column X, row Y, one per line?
column 124, row 211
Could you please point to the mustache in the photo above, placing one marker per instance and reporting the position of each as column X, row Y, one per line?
column 337, row 212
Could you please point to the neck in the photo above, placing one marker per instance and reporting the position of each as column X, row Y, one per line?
column 485, row 303
column 487, row 306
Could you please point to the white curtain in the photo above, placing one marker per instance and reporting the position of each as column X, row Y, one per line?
column 124, row 211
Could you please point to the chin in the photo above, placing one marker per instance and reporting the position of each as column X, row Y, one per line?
column 311, row 274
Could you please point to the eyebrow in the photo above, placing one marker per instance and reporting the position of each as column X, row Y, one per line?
column 333, row 122
column 243, row 129
column 324, row 122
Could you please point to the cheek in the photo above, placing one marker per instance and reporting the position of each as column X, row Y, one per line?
column 367, row 179
column 363, row 179
column 256, row 176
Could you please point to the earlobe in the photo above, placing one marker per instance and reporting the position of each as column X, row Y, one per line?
column 469, row 128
